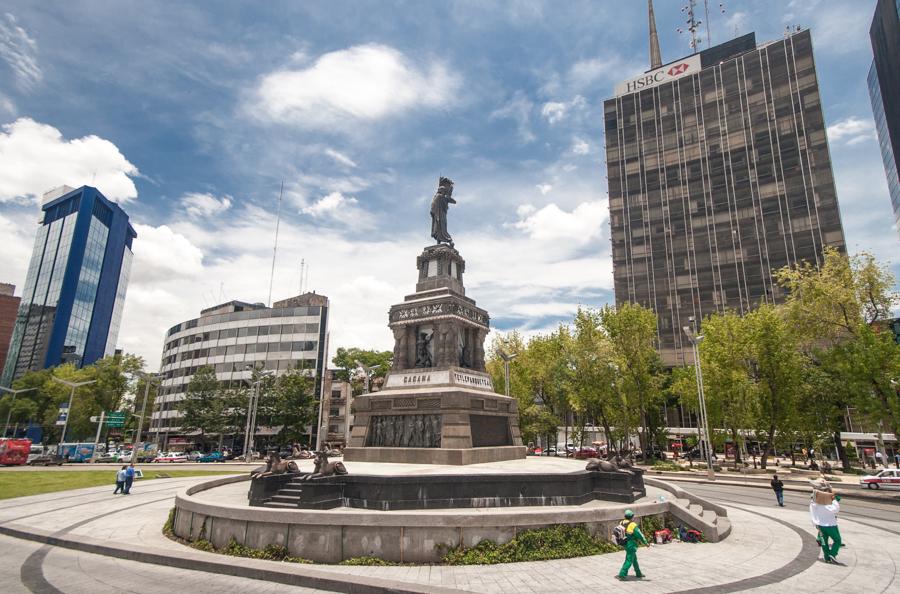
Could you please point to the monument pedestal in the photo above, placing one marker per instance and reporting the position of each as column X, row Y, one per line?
column 438, row 404
column 435, row 416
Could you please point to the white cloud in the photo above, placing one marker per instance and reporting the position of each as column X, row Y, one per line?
column 601, row 71
column 358, row 84
column 851, row 131
column 19, row 50
column 556, row 111
column 340, row 157
column 331, row 205
column 163, row 254
column 34, row 158
column 736, row 23
column 544, row 189
column 519, row 110
column 582, row 224
column 580, row 146
column 204, row 205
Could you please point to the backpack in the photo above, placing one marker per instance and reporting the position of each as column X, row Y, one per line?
column 619, row 535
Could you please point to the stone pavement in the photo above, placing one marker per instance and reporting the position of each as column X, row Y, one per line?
column 769, row 548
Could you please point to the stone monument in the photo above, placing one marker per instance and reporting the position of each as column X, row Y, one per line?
column 438, row 404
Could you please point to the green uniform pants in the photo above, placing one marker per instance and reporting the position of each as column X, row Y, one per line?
column 630, row 559
column 830, row 532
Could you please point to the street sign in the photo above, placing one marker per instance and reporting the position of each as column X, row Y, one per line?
column 61, row 418
column 115, row 419
column 95, row 419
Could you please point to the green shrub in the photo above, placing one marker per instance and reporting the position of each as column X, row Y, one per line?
column 555, row 542
column 169, row 526
column 650, row 524
column 666, row 466
column 203, row 545
column 371, row 561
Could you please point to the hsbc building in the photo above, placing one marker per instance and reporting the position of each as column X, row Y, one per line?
column 719, row 174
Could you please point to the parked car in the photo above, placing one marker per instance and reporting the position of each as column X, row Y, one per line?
column 885, row 478
column 212, row 457
column 171, row 457
column 194, row 456
column 586, row 452
column 46, row 460
column 551, row 451
column 108, row 457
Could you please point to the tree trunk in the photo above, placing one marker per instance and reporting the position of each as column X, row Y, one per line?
column 841, row 450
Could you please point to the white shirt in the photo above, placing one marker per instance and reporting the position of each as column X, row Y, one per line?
column 824, row 515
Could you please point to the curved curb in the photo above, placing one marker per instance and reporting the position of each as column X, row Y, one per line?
column 298, row 575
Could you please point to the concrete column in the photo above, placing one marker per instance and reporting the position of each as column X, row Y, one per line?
column 400, row 358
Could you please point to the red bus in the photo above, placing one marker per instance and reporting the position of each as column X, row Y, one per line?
column 14, row 451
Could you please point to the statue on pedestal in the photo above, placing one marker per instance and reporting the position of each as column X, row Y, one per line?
column 441, row 202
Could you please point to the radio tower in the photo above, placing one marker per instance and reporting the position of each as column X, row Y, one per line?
column 655, row 55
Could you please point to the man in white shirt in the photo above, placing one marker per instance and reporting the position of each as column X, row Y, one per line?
column 824, row 516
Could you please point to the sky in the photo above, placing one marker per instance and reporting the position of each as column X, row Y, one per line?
column 192, row 115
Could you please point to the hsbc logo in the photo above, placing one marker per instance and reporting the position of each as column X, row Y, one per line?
column 688, row 66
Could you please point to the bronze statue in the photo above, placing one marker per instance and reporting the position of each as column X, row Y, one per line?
column 325, row 468
column 441, row 202
column 275, row 465
column 423, row 355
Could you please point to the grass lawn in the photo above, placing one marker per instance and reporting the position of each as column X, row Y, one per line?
column 20, row 484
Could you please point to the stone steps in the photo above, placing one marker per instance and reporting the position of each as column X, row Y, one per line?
column 280, row 505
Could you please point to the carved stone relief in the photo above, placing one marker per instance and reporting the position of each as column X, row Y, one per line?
column 405, row 431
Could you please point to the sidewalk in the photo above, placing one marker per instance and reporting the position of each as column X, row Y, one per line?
column 767, row 546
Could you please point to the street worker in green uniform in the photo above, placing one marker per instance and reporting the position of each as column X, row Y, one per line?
column 824, row 516
column 633, row 536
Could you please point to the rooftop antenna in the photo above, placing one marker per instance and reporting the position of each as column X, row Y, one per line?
column 655, row 55
column 302, row 273
column 692, row 24
column 706, row 16
column 275, row 249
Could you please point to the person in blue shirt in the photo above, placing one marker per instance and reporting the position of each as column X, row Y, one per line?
column 129, row 478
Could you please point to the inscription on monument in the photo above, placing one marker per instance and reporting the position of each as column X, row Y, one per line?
column 476, row 381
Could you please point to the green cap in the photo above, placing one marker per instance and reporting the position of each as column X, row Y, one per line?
column 629, row 514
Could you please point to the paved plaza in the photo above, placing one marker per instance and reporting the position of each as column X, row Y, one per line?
column 769, row 549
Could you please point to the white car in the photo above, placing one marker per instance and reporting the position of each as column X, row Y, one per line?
column 886, row 478
column 171, row 457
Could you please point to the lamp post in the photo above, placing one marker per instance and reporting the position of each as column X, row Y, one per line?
column 148, row 379
column 9, row 414
column 366, row 374
column 695, row 339
column 507, row 357
column 252, row 407
column 72, row 385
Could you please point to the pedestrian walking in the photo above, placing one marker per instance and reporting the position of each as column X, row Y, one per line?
column 824, row 516
column 879, row 458
column 129, row 478
column 120, row 481
column 778, row 487
column 629, row 534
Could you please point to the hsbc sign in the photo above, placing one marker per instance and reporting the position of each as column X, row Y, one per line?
column 668, row 73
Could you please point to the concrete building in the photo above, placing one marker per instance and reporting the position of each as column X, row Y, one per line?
column 337, row 416
column 719, row 174
column 884, row 91
column 9, row 307
column 75, row 287
column 230, row 338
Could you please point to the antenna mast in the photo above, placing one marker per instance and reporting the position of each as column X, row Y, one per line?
column 692, row 24
column 302, row 273
column 275, row 249
column 655, row 55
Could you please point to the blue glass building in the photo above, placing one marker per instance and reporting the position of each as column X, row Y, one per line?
column 884, row 91
column 75, row 287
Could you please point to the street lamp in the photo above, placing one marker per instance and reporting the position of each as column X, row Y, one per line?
column 507, row 357
column 695, row 339
column 148, row 379
column 72, row 385
column 252, row 407
column 14, row 393
column 366, row 371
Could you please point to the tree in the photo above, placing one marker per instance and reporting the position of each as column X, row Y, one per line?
column 839, row 309
column 346, row 362
column 632, row 331
column 293, row 405
column 203, row 408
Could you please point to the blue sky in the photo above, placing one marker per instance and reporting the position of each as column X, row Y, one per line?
column 191, row 115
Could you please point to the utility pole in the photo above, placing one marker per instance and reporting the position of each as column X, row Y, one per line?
column 97, row 437
column 695, row 339
column 148, row 379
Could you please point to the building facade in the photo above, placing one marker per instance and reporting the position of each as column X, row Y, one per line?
column 9, row 307
column 719, row 174
column 337, row 416
column 884, row 91
column 233, row 338
column 75, row 287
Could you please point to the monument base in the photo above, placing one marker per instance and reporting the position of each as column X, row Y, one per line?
column 456, row 457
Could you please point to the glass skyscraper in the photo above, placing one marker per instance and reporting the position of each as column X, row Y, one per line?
column 75, row 286
column 719, row 174
column 884, row 91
